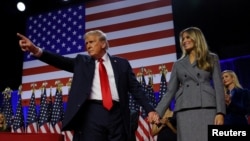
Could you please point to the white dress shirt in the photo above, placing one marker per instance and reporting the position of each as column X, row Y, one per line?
column 96, row 86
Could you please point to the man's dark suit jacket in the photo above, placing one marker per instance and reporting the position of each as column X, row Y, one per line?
column 83, row 67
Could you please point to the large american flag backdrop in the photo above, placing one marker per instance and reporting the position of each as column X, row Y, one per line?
column 141, row 31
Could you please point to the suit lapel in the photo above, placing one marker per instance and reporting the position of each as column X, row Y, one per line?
column 115, row 67
column 91, row 63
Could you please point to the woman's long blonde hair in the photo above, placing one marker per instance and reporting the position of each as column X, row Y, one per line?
column 203, row 57
column 235, row 79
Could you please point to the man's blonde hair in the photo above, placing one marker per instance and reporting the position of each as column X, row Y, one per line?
column 102, row 36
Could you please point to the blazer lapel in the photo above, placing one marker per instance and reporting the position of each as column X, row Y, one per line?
column 190, row 68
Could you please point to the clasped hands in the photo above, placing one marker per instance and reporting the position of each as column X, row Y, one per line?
column 227, row 99
column 154, row 118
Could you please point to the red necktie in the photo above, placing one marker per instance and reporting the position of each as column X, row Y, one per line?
column 106, row 93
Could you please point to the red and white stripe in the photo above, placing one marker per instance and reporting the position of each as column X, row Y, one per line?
column 68, row 135
column 19, row 130
column 32, row 128
column 45, row 128
column 141, row 31
column 57, row 128
column 143, row 132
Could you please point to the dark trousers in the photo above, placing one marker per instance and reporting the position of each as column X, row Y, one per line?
column 134, row 117
column 166, row 134
column 99, row 124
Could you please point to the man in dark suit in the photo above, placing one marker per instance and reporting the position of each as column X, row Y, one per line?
column 134, row 117
column 85, row 114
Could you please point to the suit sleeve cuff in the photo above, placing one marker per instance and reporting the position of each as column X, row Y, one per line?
column 38, row 53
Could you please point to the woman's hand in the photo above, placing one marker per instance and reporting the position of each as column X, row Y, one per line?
column 219, row 119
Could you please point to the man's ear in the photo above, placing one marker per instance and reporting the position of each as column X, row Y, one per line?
column 104, row 44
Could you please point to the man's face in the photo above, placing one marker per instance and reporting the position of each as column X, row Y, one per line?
column 94, row 46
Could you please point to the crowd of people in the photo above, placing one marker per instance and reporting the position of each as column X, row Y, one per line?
column 203, row 94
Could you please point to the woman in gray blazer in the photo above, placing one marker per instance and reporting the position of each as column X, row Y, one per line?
column 197, row 87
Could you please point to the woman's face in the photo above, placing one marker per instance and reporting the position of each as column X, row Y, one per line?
column 187, row 42
column 227, row 79
column 1, row 118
